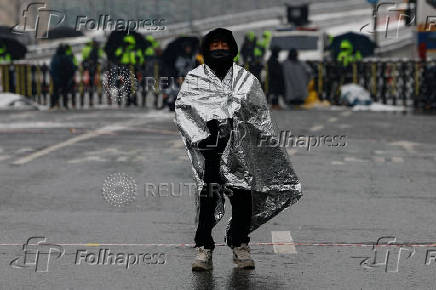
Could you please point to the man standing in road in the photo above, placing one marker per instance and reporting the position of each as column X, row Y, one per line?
column 222, row 114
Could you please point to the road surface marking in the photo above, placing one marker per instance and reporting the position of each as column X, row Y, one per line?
column 397, row 159
column 24, row 150
column 353, row 159
column 74, row 140
column 380, row 159
column 3, row 157
column 407, row 145
column 316, row 128
column 283, row 237
column 344, row 126
column 332, row 119
column 346, row 114
column 337, row 163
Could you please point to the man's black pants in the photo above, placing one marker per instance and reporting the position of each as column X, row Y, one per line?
column 241, row 217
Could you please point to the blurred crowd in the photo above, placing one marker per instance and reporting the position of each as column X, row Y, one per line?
column 285, row 83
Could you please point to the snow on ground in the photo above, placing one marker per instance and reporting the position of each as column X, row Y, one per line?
column 14, row 101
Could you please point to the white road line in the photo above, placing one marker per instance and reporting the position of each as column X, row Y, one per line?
column 337, row 163
column 354, row 159
column 3, row 157
column 407, row 145
column 283, row 237
column 332, row 119
column 344, row 126
column 74, row 140
column 346, row 114
column 397, row 159
column 379, row 159
column 316, row 128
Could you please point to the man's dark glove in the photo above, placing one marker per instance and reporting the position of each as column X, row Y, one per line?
column 218, row 138
column 212, row 148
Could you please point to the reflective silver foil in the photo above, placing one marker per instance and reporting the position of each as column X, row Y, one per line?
column 248, row 162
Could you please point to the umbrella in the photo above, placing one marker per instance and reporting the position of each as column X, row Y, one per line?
column 63, row 31
column 360, row 42
column 115, row 40
column 25, row 37
column 175, row 48
column 15, row 48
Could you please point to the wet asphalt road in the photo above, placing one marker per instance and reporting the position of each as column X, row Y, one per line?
column 53, row 166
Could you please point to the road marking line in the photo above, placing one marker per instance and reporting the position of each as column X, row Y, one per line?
column 344, row 126
column 397, row 159
column 346, row 114
column 353, row 159
column 3, row 157
column 74, row 140
column 332, row 119
column 283, row 237
column 380, row 159
column 337, row 163
column 407, row 145
column 316, row 128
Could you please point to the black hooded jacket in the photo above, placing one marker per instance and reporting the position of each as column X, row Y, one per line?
column 222, row 35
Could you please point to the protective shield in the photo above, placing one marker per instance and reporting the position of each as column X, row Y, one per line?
column 253, row 158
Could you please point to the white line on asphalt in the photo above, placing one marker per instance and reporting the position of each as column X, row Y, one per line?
column 354, row 159
column 74, row 140
column 3, row 157
column 283, row 237
column 397, row 159
column 346, row 114
column 332, row 119
column 316, row 128
column 379, row 159
column 407, row 145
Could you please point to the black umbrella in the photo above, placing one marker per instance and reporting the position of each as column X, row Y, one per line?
column 175, row 48
column 116, row 39
column 16, row 49
column 360, row 43
column 25, row 37
column 63, row 31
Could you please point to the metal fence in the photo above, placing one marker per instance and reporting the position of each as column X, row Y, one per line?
column 35, row 82
column 395, row 82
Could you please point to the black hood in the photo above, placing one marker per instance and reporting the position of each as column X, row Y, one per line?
column 218, row 34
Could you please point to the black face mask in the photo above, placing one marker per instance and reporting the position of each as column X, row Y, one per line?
column 219, row 60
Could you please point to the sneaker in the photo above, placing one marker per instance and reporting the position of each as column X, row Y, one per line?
column 242, row 257
column 203, row 260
